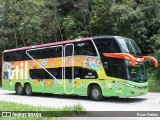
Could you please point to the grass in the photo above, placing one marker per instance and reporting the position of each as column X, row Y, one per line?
column 0, row 84
column 154, row 85
column 66, row 111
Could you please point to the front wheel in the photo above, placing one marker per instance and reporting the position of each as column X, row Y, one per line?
column 96, row 93
column 28, row 90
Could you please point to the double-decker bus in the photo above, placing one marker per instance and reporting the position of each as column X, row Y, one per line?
column 96, row 67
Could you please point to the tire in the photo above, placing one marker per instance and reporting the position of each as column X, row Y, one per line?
column 96, row 93
column 19, row 89
column 28, row 90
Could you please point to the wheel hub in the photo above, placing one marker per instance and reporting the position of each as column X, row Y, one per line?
column 95, row 93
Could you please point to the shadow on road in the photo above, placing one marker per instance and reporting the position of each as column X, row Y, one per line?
column 73, row 97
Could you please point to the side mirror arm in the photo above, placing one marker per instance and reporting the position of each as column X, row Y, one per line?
column 131, row 58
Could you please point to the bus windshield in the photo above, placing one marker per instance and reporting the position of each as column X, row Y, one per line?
column 137, row 73
column 129, row 46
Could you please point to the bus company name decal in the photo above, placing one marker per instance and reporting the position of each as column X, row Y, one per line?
column 12, row 72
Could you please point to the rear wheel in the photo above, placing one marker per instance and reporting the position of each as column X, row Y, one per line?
column 96, row 93
column 19, row 89
column 28, row 90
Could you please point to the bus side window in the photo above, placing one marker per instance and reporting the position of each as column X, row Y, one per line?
column 52, row 52
column 53, row 72
column 84, row 73
column 68, row 72
column 46, row 53
column 42, row 74
column 59, row 51
column 17, row 56
column 36, row 73
column 69, row 50
column 84, row 48
column 7, row 57
column 78, row 73
column 25, row 56
column 89, row 74
column 115, row 68
column 107, row 45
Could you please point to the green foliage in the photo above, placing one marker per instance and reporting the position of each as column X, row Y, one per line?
column 152, row 72
column 139, row 20
column 154, row 85
column 102, row 19
column 28, row 22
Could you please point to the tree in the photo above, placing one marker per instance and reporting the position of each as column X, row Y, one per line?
column 102, row 19
column 136, row 19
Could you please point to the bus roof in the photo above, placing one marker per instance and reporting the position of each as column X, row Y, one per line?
column 58, row 43
column 45, row 45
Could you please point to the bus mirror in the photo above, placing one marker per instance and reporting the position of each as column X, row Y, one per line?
column 131, row 58
column 152, row 59
column 122, row 55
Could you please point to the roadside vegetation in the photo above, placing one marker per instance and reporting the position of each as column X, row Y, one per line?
column 154, row 85
column 74, row 110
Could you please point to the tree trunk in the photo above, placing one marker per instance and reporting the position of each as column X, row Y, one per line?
column 15, row 35
column 23, row 40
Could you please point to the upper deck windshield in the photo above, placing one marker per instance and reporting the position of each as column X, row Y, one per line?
column 129, row 46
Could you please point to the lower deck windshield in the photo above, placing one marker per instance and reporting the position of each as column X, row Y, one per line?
column 137, row 73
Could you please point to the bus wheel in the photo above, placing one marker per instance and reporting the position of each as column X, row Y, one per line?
column 19, row 89
column 96, row 93
column 28, row 90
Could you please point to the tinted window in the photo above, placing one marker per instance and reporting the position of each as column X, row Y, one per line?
column 42, row 74
column 69, row 50
column 7, row 57
column 46, row 53
column 113, row 67
column 81, row 73
column 37, row 73
column 68, row 73
column 107, row 46
column 16, row 56
column 85, row 73
column 36, row 54
column 24, row 56
column 56, row 72
column 84, row 48
column 78, row 73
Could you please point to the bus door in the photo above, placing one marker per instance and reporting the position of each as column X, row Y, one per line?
column 68, row 69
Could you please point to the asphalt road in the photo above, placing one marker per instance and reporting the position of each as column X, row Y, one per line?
column 149, row 102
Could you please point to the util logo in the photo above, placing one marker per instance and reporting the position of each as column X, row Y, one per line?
column 11, row 72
